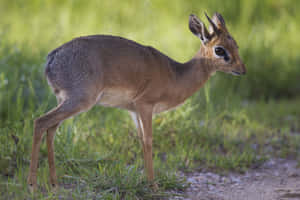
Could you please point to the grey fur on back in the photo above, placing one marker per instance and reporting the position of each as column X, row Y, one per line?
column 88, row 66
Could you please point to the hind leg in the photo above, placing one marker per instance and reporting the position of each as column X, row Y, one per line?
column 50, row 147
column 49, row 122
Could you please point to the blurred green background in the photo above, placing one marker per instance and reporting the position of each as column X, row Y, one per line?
column 266, row 30
column 218, row 126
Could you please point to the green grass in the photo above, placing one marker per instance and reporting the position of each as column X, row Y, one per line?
column 232, row 124
column 98, row 152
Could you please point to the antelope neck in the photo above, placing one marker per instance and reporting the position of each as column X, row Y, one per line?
column 190, row 76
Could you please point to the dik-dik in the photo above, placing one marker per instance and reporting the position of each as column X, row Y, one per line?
column 116, row 72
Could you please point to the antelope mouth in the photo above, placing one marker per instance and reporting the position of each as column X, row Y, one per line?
column 235, row 73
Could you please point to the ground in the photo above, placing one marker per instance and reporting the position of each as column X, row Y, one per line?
column 275, row 179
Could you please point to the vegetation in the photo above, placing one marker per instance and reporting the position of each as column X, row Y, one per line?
column 233, row 123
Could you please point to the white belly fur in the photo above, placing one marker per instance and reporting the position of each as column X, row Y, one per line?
column 119, row 97
column 161, row 107
column 115, row 97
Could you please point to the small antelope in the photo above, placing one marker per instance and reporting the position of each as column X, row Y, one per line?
column 116, row 72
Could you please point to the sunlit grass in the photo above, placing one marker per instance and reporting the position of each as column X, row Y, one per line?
column 98, row 153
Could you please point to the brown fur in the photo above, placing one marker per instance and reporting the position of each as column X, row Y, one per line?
column 117, row 72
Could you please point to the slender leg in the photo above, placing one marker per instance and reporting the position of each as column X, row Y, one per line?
column 37, row 138
column 50, row 147
column 145, row 124
column 147, row 143
column 42, row 124
column 136, row 119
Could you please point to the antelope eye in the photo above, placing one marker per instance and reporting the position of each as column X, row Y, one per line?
column 220, row 51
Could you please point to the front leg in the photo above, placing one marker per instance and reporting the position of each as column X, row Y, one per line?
column 144, row 116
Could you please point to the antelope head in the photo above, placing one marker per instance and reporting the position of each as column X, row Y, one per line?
column 217, row 44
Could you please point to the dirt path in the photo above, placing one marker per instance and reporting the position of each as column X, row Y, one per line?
column 277, row 179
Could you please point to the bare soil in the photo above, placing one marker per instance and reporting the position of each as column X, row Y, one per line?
column 277, row 179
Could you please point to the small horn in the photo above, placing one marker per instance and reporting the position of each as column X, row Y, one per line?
column 216, row 30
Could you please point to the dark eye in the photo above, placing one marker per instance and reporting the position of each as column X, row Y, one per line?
column 220, row 51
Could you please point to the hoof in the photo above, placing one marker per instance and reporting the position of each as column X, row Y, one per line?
column 32, row 184
column 32, row 187
column 54, row 187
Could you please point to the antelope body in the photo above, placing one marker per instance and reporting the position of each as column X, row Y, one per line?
column 116, row 72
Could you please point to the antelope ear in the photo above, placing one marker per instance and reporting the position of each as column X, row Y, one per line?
column 198, row 28
column 219, row 21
